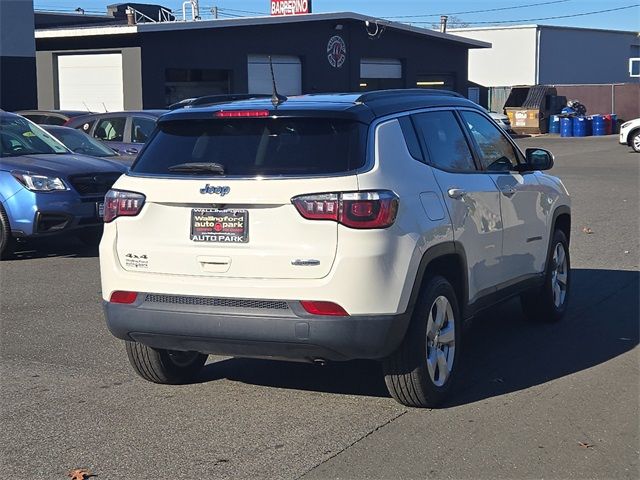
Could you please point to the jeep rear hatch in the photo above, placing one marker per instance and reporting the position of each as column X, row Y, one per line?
column 218, row 196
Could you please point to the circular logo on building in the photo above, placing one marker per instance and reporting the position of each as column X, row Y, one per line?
column 336, row 51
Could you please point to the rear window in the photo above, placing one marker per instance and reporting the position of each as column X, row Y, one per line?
column 257, row 146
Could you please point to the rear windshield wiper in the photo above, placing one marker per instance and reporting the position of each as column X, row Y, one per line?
column 196, row 167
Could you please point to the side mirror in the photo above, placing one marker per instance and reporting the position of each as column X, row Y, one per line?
column 538, row 159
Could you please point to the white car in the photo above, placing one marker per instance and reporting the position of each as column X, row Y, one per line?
column 630, row 134
column 330, row 227
column 502, row 120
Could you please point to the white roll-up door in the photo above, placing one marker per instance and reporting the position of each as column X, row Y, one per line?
column 287, row 71
column 380, row 68
column 91, row 82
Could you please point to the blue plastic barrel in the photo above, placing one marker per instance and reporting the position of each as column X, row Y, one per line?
column 566, row 127
column 580, row 126
column 554, row 124
column 614, row 123
column 599, row 126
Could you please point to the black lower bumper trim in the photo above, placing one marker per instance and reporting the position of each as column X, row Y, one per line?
column 286, row 337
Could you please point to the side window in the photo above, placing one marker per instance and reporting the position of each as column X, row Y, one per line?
column 447, row 146
column 111, row 129
column 410, row 138
column 141, row 128
column 53, row 120
column 39, row 119
column 496, row 152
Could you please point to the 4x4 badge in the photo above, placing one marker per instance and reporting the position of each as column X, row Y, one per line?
column 222, row 191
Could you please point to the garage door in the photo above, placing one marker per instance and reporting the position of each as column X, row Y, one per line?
column 287, row 71
column 90, row 82
column 380, row 68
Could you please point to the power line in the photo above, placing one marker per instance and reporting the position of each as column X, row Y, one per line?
column 541, row 18
column 483, row 11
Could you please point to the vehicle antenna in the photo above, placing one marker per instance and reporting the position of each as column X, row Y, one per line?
column 276, row 98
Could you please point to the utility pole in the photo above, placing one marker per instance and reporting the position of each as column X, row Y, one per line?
column 214, row 11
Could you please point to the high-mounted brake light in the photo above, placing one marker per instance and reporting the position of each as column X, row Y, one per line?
column 123, row 297
column 242, row 113
column 323, row 308
column 362, row 210
column 118, row 203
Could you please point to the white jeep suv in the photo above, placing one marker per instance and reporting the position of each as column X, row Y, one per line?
column 329, row 227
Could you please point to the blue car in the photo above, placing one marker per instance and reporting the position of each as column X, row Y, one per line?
column 45, row 189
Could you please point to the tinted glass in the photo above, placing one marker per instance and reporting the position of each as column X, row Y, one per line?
column 111, row 129
column 86, row 126
column 79, row 142
column 496, row 152
column 446, row 144
column 53, row 120
column 35, row 118
column 257, row 146
column 141, row 129
column 411, row 138
column 18, row 137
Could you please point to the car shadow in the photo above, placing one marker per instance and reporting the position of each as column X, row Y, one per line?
column 60, row 246
column 503, row 352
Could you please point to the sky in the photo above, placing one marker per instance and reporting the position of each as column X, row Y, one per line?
column 419, row 12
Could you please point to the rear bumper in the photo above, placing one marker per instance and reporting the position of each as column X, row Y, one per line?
column 246, row 333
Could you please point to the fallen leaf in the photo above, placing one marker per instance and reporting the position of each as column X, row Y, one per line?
column 585, row 445
column 587, row 230
column 80, row 474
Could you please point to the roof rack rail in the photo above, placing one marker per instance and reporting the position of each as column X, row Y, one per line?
column 384, row 94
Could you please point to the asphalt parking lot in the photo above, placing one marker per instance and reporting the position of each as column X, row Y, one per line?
column 534, row 401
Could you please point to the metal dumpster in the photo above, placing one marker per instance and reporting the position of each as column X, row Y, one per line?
column 529, row 108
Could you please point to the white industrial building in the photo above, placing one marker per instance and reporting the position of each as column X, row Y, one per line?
column 551, row 55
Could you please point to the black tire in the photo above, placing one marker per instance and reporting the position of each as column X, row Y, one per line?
column 90, row 237
column 540, row 304
column 406, row 371
column 635, row 141
column 7, row 242
column 164, row 366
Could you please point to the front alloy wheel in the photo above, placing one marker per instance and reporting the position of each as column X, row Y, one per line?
column 635, row 141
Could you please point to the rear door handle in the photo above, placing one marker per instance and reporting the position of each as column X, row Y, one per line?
column 131, row 151
column 456, row 193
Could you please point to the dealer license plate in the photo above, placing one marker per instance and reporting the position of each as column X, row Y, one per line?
column 100, row 209
column 223, row 226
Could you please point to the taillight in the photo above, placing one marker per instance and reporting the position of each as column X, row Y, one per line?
column 123, row 297
column 118, row 203
column 376, row 209
column 242, row 113
column 323, row 308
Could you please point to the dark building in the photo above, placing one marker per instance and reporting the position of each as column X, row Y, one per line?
column 17, row 55
column 151, row 65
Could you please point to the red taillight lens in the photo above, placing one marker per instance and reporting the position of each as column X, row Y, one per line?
column 324, row 308
column 318, row 207
column 242, row 113
column 352, row 209
column 123, row 297
column 122, row 204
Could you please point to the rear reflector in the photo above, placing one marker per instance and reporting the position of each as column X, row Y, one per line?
column 123, row 297
column 323, row 308
column 363, row 210
column 242, row 113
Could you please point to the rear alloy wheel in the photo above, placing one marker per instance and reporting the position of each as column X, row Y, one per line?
column 164, row 366
column 421, row 371
column 549, row 303
column 635, row 141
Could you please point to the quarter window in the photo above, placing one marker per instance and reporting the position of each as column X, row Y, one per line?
column 141, row 128
column 496, row 152
column 446, row 144
column 111, row 129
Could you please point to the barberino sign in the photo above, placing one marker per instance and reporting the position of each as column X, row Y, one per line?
column 290, row 7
